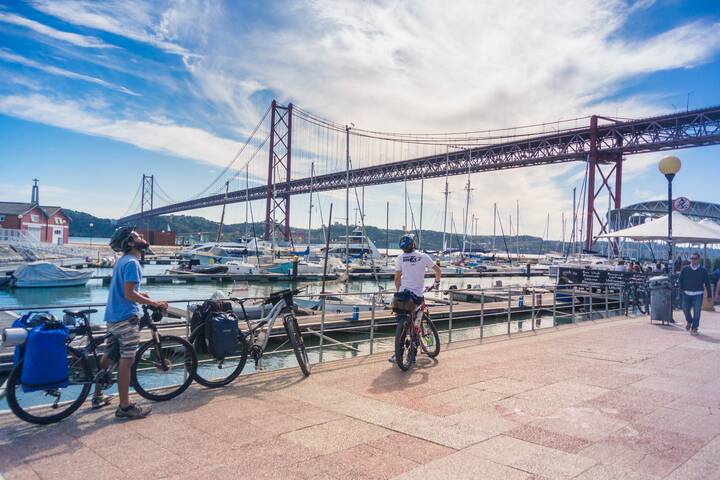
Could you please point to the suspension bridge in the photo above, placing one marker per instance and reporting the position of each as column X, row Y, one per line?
column 306, row 153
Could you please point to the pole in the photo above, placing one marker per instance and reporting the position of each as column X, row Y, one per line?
column 465, row 213
column 347, row 196
column 671, row 268
column 422, row 192
column 445, row 206
column 312, row 179
column 327, row 247
column 405, row 202
column 247, row 200
column 222, row 215
column 517, row 228
column 387, row 229
column 494, row 224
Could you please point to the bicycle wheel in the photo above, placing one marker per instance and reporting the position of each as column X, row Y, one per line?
column 212, row 372
column 405, row 349
column 49, row 406
column 164, row 370
column 293, row 332
column 429, row 337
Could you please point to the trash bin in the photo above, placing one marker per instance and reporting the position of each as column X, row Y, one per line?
column 660, row 299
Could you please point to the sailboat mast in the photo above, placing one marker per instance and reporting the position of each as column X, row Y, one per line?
column 247, row 200
column 312, row 179
column 517, row 228
column 222, row 215
column 445, row 206
column 422, row 192
column 494, row 224
column 347, row 196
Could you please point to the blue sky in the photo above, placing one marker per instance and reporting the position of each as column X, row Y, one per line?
column 96, row 94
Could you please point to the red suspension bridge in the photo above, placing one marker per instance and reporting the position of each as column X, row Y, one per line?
column 295, row 142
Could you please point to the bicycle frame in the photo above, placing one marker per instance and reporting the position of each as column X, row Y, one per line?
column 268, row 322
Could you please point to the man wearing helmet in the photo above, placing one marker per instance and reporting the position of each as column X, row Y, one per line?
column 122, row 315
column 410, row 267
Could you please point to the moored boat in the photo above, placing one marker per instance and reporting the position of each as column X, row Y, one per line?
column 46, row 275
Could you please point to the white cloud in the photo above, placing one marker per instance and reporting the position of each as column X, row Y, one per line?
column 167, row 137
column 11, row 57
column 128, row 18
column 73, row 38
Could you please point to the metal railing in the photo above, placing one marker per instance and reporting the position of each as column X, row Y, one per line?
column 492, row 312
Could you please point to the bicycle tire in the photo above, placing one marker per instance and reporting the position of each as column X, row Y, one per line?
column 403, row 343
column 293, row 332
column 179, row 388
column 198, row 336
column 13, row 383
column 436, row 337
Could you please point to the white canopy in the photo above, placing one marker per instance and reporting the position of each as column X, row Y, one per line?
column 684, row 231
column 706, row 222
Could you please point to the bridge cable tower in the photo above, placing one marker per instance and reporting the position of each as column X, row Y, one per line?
column 277, row 205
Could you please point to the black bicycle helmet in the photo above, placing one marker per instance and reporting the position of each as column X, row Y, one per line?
column 407, row 243
column 119, row 239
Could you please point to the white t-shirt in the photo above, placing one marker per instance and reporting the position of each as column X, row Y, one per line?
column 413, row 265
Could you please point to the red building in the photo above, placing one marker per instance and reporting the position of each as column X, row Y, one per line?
column 40, row 223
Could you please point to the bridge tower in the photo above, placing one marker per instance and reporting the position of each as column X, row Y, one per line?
column 609, row 167
column 277, row 206
column 148, row 192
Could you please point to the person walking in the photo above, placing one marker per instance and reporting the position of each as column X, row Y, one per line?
column 693, row 282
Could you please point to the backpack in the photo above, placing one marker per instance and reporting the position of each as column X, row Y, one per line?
column 222, row 332
column 45, row 362
column 202, row 313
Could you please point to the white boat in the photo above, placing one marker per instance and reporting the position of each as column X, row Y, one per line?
column 358, row 246
column 46, row 274
column 236, row 267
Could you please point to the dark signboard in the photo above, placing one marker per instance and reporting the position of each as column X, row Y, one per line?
column 586, row 276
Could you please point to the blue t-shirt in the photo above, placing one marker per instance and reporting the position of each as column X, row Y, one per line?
column 127, row 269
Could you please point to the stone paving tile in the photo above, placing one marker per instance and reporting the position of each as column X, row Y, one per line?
column 695, row 470
column 506, row 386
column 336, row 435
column 563, row 394
column 411, row 448
column 621, row 405
column 464, row 466
column 364, row 461
column 558, row 441
column 465, row 398
column 581, row 422
column 482, row 419
column 613, row 472
column 710, row 453
column 531, row 457
column 614, row 453
column 522, row 410
column 704, row 427
column 20, row 472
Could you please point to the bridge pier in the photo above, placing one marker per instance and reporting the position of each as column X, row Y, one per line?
column 279, row 167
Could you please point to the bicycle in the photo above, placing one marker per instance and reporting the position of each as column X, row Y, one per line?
column 214, row 372
column 638, row 296
column 154, row 374
column 415, row 330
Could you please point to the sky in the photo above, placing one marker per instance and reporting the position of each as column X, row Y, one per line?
column 96, row 94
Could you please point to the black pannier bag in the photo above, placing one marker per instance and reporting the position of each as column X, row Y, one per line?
column 404, row 302
column 202, row 313
column 221, row 332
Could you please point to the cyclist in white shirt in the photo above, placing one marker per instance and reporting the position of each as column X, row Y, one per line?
column 410, row 269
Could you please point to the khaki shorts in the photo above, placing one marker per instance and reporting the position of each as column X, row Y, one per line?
column 128, row 334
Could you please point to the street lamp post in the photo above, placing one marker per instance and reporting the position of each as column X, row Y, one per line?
column 670, row 166
column 91, row 225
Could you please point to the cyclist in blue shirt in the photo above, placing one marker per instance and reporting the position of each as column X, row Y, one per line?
column 122, row 315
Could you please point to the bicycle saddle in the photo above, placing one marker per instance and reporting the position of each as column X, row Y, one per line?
column 79, row 313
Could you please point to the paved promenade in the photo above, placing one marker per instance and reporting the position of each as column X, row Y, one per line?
column 618, row 399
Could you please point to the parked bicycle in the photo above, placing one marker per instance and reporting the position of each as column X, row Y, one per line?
column 218, row 370
column 164, row 368
column 415, row 330
column 638, row 297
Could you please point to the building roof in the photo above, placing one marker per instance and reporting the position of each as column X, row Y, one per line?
column 20, row 208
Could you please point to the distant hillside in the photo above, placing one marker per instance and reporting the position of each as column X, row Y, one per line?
column 191, row 226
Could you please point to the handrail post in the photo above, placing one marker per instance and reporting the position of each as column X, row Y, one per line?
column 607, row 302
column 573, row 303
column 532, row 311
column 555, row 306
column 590, row 299
column 372, row 325
column 450, row 316
column 509, row 314
column 482, row 314
column 322, row 326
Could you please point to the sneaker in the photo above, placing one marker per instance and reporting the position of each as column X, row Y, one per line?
column 687, row 326
column 100, row 401
column 694, row 331
column 132, row 412
column 391, row 359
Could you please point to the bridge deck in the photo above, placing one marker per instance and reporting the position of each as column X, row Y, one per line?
column 617, row 399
